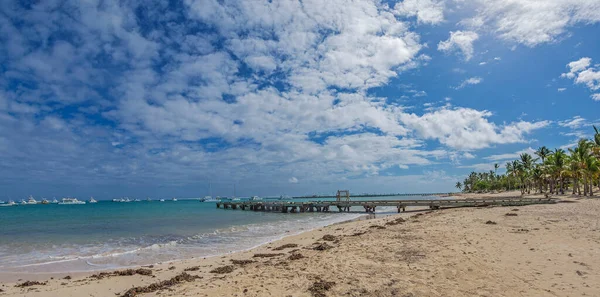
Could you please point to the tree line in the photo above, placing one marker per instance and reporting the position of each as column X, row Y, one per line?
column 549, row 171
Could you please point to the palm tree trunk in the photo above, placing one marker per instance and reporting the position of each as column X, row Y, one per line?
column 562, row 190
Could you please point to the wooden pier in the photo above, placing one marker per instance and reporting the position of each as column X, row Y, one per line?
column 369, row 206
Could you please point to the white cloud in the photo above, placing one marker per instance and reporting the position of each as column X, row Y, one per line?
column 532, row 22
column 581, row 72
column 509, row 156
column 561, row 89
column 293, row 180
column 596, row 97
column 574, row 123
column 482, row 63
column 497, row 58
column 467, row 129
column 469, row 81
column 426, row 11
column 460, row 40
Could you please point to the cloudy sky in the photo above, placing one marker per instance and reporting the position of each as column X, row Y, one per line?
column 161, row 98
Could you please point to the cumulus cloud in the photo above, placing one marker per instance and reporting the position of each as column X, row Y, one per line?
column 469, row 81
column 532, row 22
column 596, row 97
column 582, row 73
column 426, row 11
column 468, row 129
column 459, row 41
column 561, row 89
column 293, row 180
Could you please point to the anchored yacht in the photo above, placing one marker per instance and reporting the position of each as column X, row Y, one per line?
column 92, row 200
column 71, row 201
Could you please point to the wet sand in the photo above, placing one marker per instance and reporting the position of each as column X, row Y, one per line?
column 537, row 250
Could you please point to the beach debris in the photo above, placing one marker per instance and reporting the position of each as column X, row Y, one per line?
column 195, row 268
column 359, row 233
column 140, row 271
column 30, row 283
column 172, row 268
column 1, row 290
column 319, row 288
column 579, row 273
column 223, row 269
column 410, row 255
column 241, row 262
column 285, row 246
column 377, row 227
column 395, row 222
column 67, row 277
column 295, row 257
column 322, row 247
column 267, row 255
column 491, row 223
column 180, row 278
column 510, row 214
column 515, row 209
column 328, row 237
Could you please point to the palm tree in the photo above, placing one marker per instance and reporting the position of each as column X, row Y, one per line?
column 543, row 152
column 556, row 161
column 458, row 185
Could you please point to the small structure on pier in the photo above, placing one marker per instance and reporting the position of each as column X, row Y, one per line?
column 343, row 196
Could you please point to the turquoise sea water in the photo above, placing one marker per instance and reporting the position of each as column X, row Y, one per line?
column 106, row 235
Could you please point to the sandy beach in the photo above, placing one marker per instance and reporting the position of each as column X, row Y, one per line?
column 538, row 250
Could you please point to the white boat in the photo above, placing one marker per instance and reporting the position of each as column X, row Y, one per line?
column 174, row 199
column 148, row 199
column 209, row 199
column 10, row 203
column 137, row 200
column 230, row 199
column 121, row 200
column 255, row 198
column 92, row 200
column 285, row 197
column 30, row 200
column 71, row 201
column 2, row 202
column 162, row 200
column 23, row 202
column 45, row 201
column 54, row 201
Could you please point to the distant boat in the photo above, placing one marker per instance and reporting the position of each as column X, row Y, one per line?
column 2, row 202
column 23, row 202
column 10, row 203
column 71, row 201
column 209, row 199
column 284, row 197
column 121, row 200
column 92, row 200
column 174, row 199
column 45, row 201
column 162, row 200
column 30, row 200
column 137, row 200
column 255, row 198
column 148, row 199
column 54, row 201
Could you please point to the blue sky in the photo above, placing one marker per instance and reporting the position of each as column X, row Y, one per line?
column 161, row 98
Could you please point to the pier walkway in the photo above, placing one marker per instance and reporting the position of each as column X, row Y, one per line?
column 369, row 206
